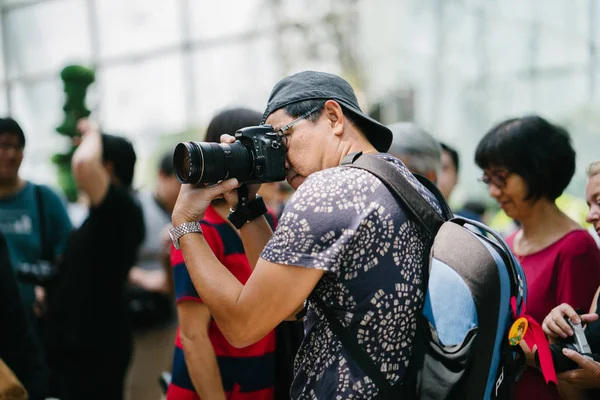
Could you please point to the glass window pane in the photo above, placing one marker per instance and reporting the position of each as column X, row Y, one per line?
column 3, row 102
column 146, row 99
column 212, row 19
column 38, row 109
column 2, row 71
column 136, row 26
column 235, row 75
column 46, row 37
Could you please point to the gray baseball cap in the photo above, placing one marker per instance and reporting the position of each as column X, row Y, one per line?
column 314, row 85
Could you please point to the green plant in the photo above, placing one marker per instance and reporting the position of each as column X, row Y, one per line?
column 76, row 80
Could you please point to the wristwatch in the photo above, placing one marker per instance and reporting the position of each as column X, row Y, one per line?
column 185, row 228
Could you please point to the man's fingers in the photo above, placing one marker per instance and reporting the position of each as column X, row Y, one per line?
column 578, row 358
column 553, row 329
column 82, row 125
column 562, row 325
column 569, row 312
column 85, row 125
column 587, row 318
column 221, row 188
column 227, row 139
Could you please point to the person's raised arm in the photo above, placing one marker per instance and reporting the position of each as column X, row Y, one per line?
column 88, row 170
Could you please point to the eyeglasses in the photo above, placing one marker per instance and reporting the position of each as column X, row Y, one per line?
column 281, row 131
column 497, row 178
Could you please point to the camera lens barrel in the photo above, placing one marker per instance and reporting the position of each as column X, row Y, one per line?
column 203, row 162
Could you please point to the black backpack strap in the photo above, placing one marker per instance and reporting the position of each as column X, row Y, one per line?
column 46, row 250
column 360, row 356
column 427, row 217
column 423, row 212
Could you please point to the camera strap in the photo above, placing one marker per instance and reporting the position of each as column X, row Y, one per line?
column 246, row 210
column 243, row 196
column 46, row 250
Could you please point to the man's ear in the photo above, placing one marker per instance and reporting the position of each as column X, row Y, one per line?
column 335, row 116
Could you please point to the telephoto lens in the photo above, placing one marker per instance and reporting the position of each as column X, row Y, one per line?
column 207, row 163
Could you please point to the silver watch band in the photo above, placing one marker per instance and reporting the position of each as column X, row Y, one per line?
column 187, row 227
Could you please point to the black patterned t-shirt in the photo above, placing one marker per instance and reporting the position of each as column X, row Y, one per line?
column 346, row 222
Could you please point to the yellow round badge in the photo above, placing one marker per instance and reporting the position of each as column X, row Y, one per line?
column 517, row 331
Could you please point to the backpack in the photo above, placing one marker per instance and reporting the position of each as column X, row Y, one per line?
column 476, row 290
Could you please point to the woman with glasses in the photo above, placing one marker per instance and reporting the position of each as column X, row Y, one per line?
column 527, row 163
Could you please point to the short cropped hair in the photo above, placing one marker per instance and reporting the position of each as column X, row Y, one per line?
column 453, row 155
column 229, row 121
column 12, row 127
column 423, row 149
column 120, row 152
column 533, row 148
column 593, row 169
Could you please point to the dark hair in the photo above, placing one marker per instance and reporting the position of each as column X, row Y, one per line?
column 120, row 152
column 453, row 155
column 299, row 108
column 229, row 121
column 533, row 148
column 10, row 126
column 166, row 164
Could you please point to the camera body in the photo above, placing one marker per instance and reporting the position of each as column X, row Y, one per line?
column 267, row 151
column 257, row 156
column 578, row 342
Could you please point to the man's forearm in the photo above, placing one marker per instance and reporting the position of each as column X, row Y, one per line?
column 202, row 366
column 255, row 237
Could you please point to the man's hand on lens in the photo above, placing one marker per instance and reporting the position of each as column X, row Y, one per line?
column 232, row 197
column 193, row 201
column 588, row 374
column 555, row 325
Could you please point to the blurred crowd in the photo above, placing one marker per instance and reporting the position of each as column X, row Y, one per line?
column 100, row 302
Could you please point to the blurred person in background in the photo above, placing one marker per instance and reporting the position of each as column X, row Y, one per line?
column 417, row 149
column 151, row 304
column 474, row 210
column 19, row 347
column 205, row 365
column 448, row 178
column 21, row 203
column 89, row 339
column 527, row 163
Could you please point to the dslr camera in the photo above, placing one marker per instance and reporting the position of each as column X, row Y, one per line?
column 578, row 342
column 257, row 156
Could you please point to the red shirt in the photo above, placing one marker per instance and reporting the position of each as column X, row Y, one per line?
column 247, row 373
column 567, row 271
